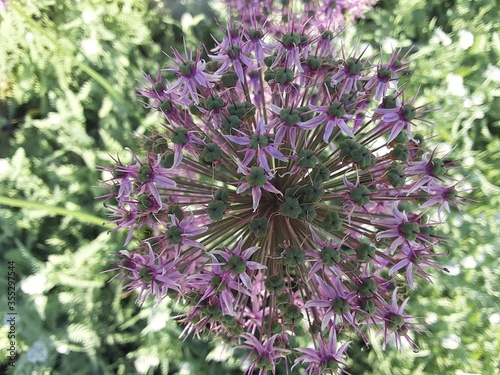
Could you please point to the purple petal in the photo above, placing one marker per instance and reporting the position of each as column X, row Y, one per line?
column 256, row 194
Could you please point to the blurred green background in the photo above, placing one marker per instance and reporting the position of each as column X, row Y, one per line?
column 68, row 73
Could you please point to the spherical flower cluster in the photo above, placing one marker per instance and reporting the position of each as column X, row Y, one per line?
column 283, row 191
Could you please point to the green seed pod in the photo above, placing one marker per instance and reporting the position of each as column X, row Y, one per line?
column 218, row 284
column 276, row 328
column 165, row 106
column 222, row 195
column 402, row 137
column 229, row 79
column 145, row 202
column 175, row 209
column 396, row 175
column 284, row 75
column 395, row 322
column 293, row 314
column 389, row 102
column 215, row 210
column 347, row 147
column 400, row 152
column 257, row 177
column 259, row 226
column 368, row 288
column 160, row 145
column 419, row 138
column 320, row 174
column 290, row 39
column 211, row 152
column 332, row 366
column 214, row 311
column 332, row 221
column 340, row 306
column 212, row 66
column 336, row 109
column 230, row 123
column 187, row 68
column 330, row 256
column 410, row 230
column 283, row 298
column 242, row 110
column 313, row 192
column 229, row 321
column 369, row 306
column 305, row 113
column 307, row 159
column 180, row 135
column 145, row 173
column 308, row 212
column 275, row 284
column 363, row 157
column 290, row 116
column 410, row 112
column 354, row 65
column 291, row 208
column 269, row 60
column 236, row 265
column 233, row 51
column 438, row 168
column 365, row 252
column 214, row 103
column 269, row 75
column 313, row 62
column 173, row 235
column 264, row 363
column 360, row 195
column 327, row 34
column 293, row 256
column 194, row 110
column 385, row 73
column 258, row 140
column 145, row 275
column 255, row 34
column 167, row 160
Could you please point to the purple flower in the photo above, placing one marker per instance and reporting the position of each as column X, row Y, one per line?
column 283, row 189
column 264, row 356
column 397, row 324
column 336, row 302
column 401, row 116
column 190, row 73
column 150, row 274
column 333, row 115
column 178, row 232
column 231, row 53
column 400, row 227
column 415, row 257
column 238, row 262
column 325, row 357
column 256, row 178
column 258, row 145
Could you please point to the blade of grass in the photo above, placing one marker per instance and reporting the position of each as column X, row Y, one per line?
column 39, row 30
column 81, row 216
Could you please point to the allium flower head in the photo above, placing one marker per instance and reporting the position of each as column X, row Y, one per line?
column 282, row 190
